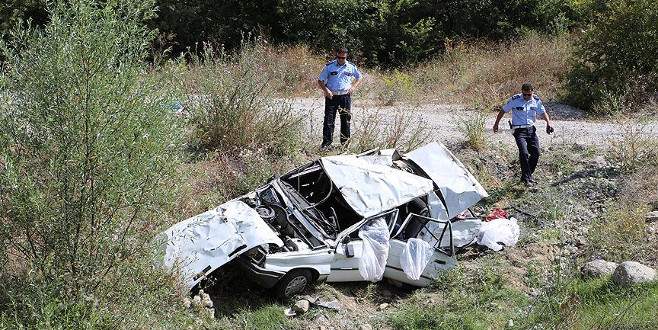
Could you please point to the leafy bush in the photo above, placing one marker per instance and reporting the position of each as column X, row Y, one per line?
column 398, row 32
column 233, row 107
column 615, row 67
column 391, row 32
column 86, row 143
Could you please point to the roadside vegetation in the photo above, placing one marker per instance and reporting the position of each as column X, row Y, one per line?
column 105, row 142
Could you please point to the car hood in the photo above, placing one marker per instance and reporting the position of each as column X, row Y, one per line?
column 459, row 189
column 197, row 246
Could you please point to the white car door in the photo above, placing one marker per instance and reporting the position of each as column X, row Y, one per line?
column 349, row 249
column 345, row 266
column 435, row 232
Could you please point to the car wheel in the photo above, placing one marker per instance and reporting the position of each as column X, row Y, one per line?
column 294, row 282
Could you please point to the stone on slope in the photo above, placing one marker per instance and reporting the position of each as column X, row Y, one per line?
column 598, row 268
column 631, row 272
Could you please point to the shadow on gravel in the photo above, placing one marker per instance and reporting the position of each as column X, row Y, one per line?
column 601, row 172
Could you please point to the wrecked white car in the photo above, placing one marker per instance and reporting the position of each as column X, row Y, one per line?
column 340, row 218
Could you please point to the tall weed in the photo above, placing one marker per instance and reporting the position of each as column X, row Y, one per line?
column 473, row 128
column 636, row 148
column 620, row 234
column 233, row 107
column 375, row 130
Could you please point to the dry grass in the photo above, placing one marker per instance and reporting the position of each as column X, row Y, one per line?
column 220, row 177
column 233, row 103
column 294, row 69
column 620, row 234
column 478, row 74
column 641, row 187
column 483, row 74
column 637, row 147
column 398, row 130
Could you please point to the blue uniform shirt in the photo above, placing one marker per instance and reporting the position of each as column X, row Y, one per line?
column 524, row 112
column 338, row 78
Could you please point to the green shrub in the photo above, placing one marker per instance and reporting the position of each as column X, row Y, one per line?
column 389, row 33
column 233, row 107
column 397, row 87
column 86, row 141
column 615, row 66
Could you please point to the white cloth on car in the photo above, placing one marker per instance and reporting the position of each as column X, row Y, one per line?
column 415, row 257
column 375, row 237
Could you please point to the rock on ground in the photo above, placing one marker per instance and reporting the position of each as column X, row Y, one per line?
column 652, row 216
column 301, row 306
column 631, row 272
column 598, row 268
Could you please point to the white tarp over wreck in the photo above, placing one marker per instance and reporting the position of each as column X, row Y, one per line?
column 459, row 188
column 201, row 244
column 370, row 188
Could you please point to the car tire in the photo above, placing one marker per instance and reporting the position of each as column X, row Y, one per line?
column 294, row 282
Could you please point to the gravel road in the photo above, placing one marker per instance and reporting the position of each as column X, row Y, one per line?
column 442, row 120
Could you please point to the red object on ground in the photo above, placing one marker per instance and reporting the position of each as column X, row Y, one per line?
column 496, row 214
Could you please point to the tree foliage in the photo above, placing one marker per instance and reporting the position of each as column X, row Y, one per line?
column 385, row 32
column 85, row 143
column 615, row 65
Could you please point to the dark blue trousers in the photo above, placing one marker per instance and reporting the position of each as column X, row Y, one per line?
column 528, row 144
column 341, row 104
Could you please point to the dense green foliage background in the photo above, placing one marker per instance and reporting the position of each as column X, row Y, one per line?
column 381, row 32
column 615, row 66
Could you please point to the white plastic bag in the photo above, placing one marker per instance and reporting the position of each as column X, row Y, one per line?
column 375, row 237
column 498, row 231
column 415, row 257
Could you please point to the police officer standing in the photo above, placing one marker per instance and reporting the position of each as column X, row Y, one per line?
column 525, row 108
column 338, row 80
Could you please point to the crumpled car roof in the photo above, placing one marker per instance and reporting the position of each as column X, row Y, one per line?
column 370, row 185
column 372, row 188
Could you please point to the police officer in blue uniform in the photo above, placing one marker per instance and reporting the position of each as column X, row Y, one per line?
column 525, row 108
column 338, row 80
